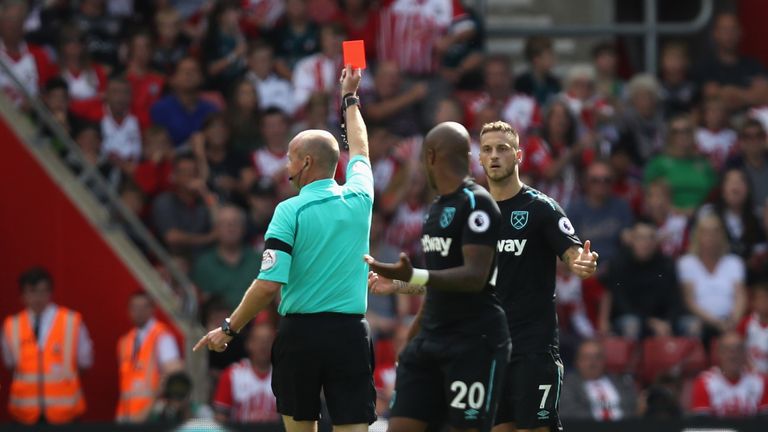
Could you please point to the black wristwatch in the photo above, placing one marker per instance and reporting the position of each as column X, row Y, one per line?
column 225, row 327
column 348, row 100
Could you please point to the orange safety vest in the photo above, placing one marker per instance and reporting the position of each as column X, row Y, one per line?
column 139, row 375
column 45, row 380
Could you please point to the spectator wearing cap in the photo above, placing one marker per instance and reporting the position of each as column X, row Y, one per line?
column 228, row 267
column 740, row 81
column 146, row 85
column 262, row 198
column 730, row 389
column 641, row 124
column 182, row 216
column 678, row 90
column 296, row 37
column 273, row 90
column 598, row 215
column 183, row 111
column 538, row 81
column 752, row 157
column 45, row 346
column 643, row 295
column 690, row 177
column 592, row 394
column 120, row 129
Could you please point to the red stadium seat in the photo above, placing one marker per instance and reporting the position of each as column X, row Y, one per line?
column 677, row 355
column 620, row 354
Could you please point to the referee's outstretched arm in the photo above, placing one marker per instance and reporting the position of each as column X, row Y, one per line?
column 357, row 135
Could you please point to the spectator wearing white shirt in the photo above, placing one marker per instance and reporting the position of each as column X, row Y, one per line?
column 730, row 389
column 712, row 279
column 244, row 393
column 715, row 138
column 319, row 72
column 273, row 91
column 670, row 226
column 592, row 394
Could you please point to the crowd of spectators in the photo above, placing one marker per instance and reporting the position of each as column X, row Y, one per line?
column 187, row 109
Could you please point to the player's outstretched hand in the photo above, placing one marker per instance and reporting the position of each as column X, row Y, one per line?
column 585, row 263
column 401, row 270
column 380, row 285
column 215, row 340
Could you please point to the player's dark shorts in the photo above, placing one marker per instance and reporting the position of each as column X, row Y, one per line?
column 327, row 351
column 531, row 394
column 456, row 381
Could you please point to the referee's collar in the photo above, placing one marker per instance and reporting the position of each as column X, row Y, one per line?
column 317, row 185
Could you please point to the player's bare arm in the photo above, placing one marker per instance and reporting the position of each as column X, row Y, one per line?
column 469, row 277
column 357, row 135
column 380, row 285
column 581, row 261
column 259, row 295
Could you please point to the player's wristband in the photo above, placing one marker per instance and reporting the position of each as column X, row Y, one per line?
column 419, row 277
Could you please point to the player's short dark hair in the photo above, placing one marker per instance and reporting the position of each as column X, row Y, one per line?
column 504, row 127
column 33, row 276
column 536, row 46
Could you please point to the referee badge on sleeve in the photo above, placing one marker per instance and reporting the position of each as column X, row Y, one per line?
column 268, row 259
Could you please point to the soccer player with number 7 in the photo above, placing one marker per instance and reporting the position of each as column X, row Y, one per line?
column 452, row 368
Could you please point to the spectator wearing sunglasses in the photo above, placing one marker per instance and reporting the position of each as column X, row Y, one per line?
column 599, row 215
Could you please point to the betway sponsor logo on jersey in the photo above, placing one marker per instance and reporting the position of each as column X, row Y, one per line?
column 514, row 246
column 440, row 245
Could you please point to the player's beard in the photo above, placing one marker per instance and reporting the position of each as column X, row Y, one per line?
column 500, row 177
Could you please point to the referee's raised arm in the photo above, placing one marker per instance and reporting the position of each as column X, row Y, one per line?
column 357, row 135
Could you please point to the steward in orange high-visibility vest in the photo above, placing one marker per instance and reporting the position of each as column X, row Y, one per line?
column 45, row 379
column 140, row 374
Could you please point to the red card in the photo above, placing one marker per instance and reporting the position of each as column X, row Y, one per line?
column 354, row 54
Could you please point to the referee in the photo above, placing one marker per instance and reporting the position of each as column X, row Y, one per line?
column 312, row 257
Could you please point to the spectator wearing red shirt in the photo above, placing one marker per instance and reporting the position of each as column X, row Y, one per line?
column 517, row 109
column 120, row 128
column 86, row 80
column 153, row 173
column 146, row 85
column 671, row 227
column 260, row 16
column 415, row 34
column 269, row 161
column 360, row 19
column 319, row 72
column 244, row 393
column 715, row 138
column 754, row 329
column 730, row 390
column 28, row 62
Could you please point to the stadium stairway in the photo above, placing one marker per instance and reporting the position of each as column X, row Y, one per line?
column 49, row 218
column 501, row 14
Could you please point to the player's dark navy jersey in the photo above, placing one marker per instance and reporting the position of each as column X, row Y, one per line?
column 467, row 216
column 534, row 232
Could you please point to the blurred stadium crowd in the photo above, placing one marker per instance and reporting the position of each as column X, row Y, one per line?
column 187, row 109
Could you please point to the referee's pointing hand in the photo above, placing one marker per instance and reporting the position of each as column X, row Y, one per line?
column 215, row 340
column 401, row 270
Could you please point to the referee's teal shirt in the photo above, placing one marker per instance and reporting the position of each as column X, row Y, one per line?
column 315, row 244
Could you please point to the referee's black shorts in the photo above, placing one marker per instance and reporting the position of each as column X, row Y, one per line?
column 331, row 352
